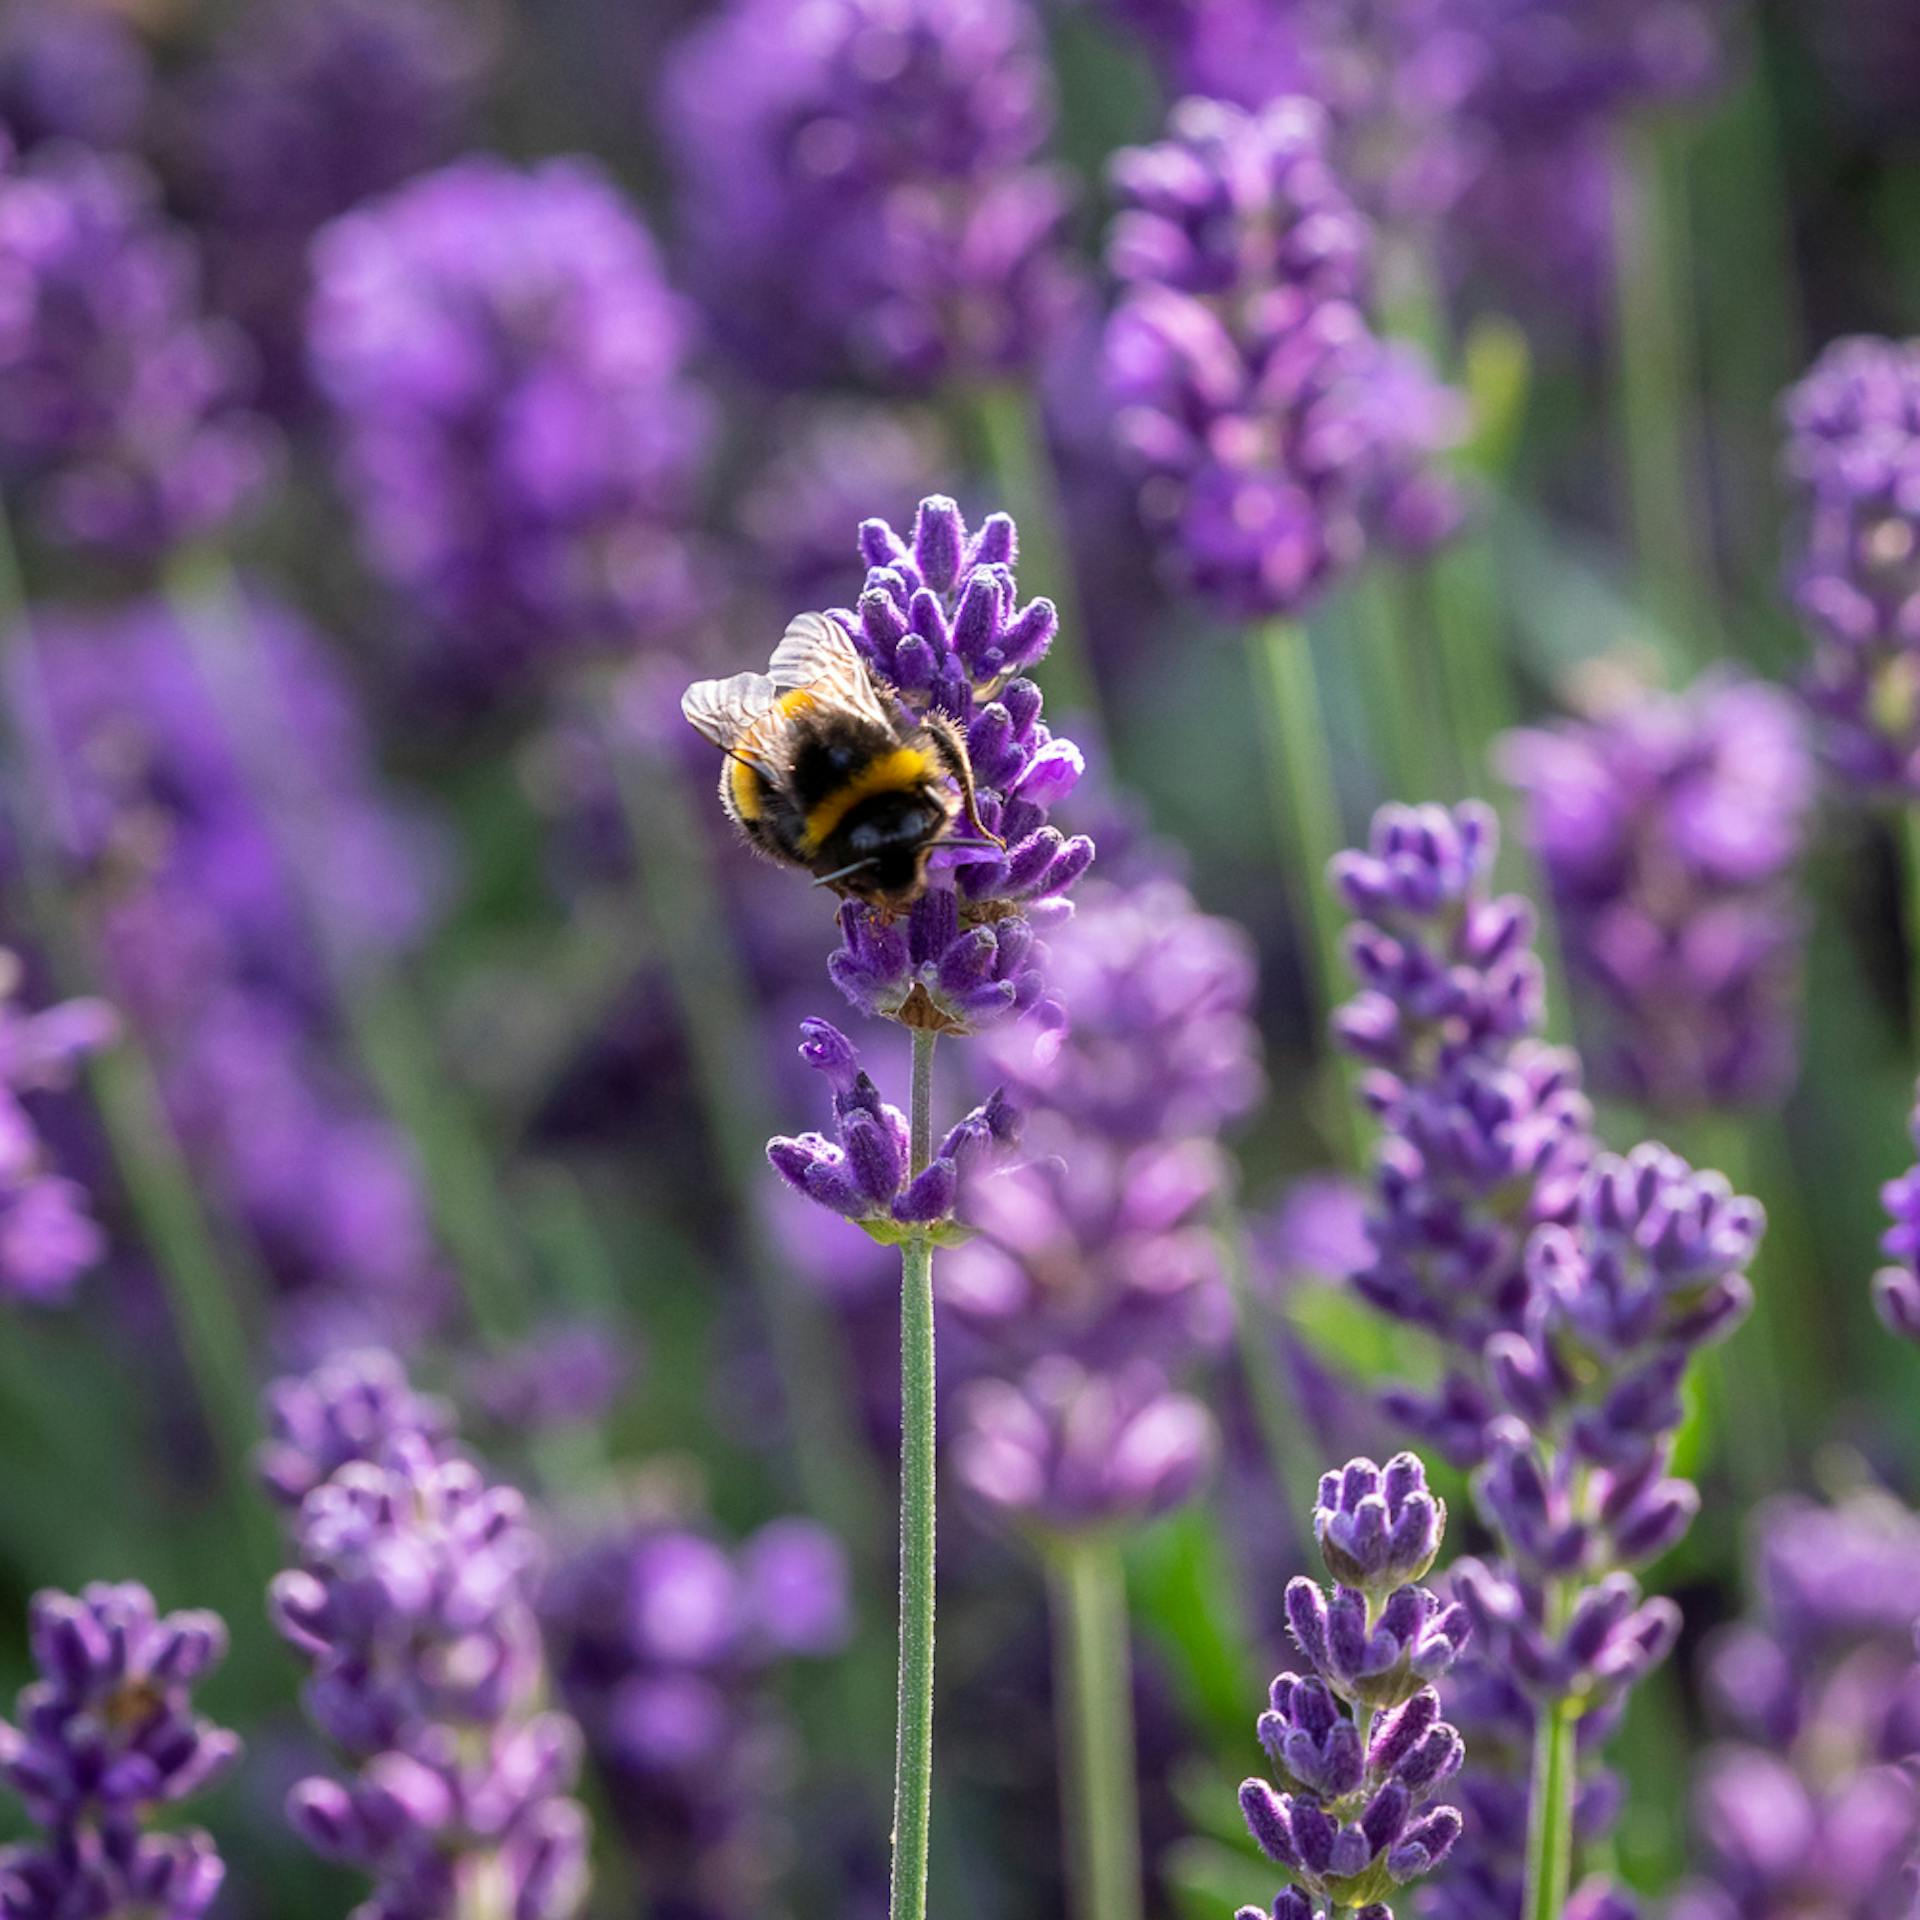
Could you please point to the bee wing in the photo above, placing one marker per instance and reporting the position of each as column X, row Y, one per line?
column 818, row 654
column 729, row 712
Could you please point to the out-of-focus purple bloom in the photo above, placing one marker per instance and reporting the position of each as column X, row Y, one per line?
column 307, row 108
column 48, row 1236
column 1852, row 457
column 518, row 438
column 1896, row 1288
column 105, row 1735
column 860, row 185
column 865, row 1171
column 569, row 1373
column 350, row 1407
column 1669, row 830
column 941, row 627
column 1063, row 1449
column 412, row 1604
column 1353, row 1819
column 663, row 1644
column 210, row 947
column 71, row 72
column 121, row 404
column 1485, row 1129
column 1274, row 435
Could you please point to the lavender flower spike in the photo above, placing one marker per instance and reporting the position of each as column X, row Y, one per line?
column 1896, row 1288
column 1352, row 1819
column 942, row 629
column 864, row 1172
column 412, row 1603
column 107, row 1733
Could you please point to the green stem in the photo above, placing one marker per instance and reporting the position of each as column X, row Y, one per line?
column 1015, row 437
column 1659, row 421
column 913, row 1752
column 716, row 1009
column 1404, row 702
column 1093, row 1704
column 388, row 1031
column 1909, row 836
column 1306, row 809
column 1550, row 1814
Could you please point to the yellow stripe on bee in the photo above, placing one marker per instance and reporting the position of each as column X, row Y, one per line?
column 745, row 787
column 897, row 772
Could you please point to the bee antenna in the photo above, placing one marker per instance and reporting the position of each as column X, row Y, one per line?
column 828, row 879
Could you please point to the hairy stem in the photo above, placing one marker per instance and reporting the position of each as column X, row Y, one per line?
column 913, row 1752
column 1093, row 1707
column 1550, row 1814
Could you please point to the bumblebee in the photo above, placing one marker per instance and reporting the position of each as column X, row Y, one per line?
column 823, row 771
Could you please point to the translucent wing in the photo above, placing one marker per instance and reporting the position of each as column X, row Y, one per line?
column 818, row 654
column 733, row 714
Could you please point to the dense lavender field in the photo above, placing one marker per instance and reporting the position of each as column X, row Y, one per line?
column 1297, row 1009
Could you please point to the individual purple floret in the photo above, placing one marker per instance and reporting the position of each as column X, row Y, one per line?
column 1670, row 829
column 412, row 1604
column 48, row 1236
column 105, row 1735
column 865, row 1172
column 71, row 73
column 861, row 187
column 1358, row 1745
column 941, row 627
column 1273, row 435
column 1485, row 1132
column 518, row 438
column 1852, row 457
column 1896, row 1288
column 308, row 108
column 122, row 421
column 665, row 1647
column 1063, row 1449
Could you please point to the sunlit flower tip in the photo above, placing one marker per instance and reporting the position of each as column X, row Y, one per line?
column 1066, row 1448
column 1378, row 1528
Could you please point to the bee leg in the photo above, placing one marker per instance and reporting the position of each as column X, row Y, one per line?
column 951, row 746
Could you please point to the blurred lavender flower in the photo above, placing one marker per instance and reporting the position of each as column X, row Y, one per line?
column 307, row 108
column 105, row 1735
column 567, row 1373
column 48, row 1236
column 1485, row 1132
column 865, row 1172
column 1352, row 1820
column 518, row 438
column 1808, row 1809
column 941, row 628
column 1669, row 829
column 412, row 1604
column 71, row 72
column 352, row 1406
column 1274, row 436
column 860, row 187
column 1062, row 1449
column 121, row 405
column 209, row 945
column 1896, row 1288
column 664, row 1644
column 1852, row 457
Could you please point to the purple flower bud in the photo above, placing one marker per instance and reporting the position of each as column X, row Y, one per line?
column 1376, row 1530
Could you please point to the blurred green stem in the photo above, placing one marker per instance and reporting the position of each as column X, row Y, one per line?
column 1660, row 437
column 215, row 1314
column 722, row 1029
column 1257, row 1338
column 1909, row 836
column 1013, row 429
column 1550, row 1814
column 1093, row 1706
column 388, row 1031
column 913, row 1751
column 1306, row 811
